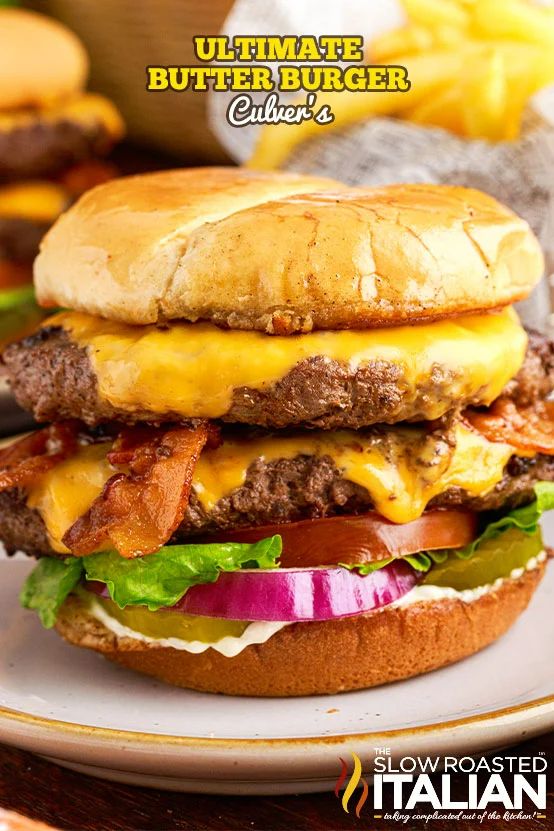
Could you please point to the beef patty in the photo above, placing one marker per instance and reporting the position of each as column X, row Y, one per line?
column 52, row 377
column 44, row 148
column 284, row 490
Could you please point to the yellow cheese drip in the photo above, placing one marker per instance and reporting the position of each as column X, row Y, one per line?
column 192, row 368
column 40, row 201
column 64, row 493
column 401, row 468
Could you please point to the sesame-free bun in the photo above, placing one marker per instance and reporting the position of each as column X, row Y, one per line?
column 312, row 658
column 283, row 253
column 41, row 61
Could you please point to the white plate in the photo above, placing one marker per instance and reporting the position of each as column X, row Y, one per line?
column 77, row 709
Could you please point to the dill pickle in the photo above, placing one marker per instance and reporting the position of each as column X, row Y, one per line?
column 494, row 558
column 166, row 624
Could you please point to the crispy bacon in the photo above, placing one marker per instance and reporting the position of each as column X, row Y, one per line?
column 528, row 429
column 138, row 511
column 24, row 460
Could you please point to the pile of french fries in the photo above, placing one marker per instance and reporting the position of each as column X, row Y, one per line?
column 473, row 65
column 505, row 50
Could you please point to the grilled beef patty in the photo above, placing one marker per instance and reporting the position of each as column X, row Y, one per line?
column 284, row 490
column 53, row 378
column 44, row 148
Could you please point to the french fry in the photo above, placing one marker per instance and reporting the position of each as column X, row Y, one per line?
column 404, row 41
column 449, row 37
column 444, row 109
column 433, row 13
column 514, row 20
column 485, row 98
column 429, row 72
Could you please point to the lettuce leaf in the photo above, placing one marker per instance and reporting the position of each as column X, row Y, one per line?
column 420, row 562
column 159, row 579
column 525, row 519
column 48, row 585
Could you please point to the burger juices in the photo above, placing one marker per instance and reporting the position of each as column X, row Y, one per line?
column 52, row 135
column 299, row 441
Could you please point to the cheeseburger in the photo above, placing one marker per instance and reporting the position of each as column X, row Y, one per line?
column 52, row 135
column 297, row 439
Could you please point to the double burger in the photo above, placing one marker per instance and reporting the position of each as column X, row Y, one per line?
column 296, row 439
column 53, row 136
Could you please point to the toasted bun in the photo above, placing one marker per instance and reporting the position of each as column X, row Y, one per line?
column 283, row 253
column 313, row 658
column 41, row 61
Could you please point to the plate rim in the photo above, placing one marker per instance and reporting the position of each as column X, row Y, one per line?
column 110, row 734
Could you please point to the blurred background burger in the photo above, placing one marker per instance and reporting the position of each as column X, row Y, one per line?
column 52, row 138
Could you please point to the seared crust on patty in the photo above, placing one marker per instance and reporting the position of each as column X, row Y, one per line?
column 284, row 490
column 52, row 377
column 322, row 657
column 45, row 147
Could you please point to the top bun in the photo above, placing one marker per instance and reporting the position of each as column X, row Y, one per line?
column 283, row 253
column 41, row 61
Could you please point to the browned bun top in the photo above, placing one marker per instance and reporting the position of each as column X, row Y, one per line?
column 41, row 61
column 283, row 253
column 333, row 656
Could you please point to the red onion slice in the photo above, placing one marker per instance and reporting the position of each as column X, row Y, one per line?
column 296, row 594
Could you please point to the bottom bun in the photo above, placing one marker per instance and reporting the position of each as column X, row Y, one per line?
column 324, row 657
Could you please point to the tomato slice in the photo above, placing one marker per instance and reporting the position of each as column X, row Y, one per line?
column 361, row 539
column 528, row 429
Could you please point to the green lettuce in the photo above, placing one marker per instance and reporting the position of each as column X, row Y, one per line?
column 420, row 562
column 160, row 579
column 48, row 585
column 525, row 519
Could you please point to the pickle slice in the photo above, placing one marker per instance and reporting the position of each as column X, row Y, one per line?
column 493, row 559
column 167, row 624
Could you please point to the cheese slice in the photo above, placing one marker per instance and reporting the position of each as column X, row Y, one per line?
column 401, row 468
column 192, row 368
column 67, row 491
column 38, row 201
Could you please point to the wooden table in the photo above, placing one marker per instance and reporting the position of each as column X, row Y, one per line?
column 75, row 802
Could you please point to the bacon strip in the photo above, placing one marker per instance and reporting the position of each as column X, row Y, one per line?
column 528, row 429
column 24, row 460
column 138, row 511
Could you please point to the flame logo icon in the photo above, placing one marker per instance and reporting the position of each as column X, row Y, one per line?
column 355, row 780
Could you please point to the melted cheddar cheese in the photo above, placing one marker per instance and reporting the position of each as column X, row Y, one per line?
column 192, row 368
column 67, row 491
column 401, row 468
column 39, row 201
